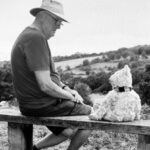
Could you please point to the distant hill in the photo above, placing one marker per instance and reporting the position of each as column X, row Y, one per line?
column 74, row 56
column 131, row 53
column 124, row 52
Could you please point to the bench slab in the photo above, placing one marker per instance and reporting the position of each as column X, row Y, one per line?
column 82, row 122
column 20, row 128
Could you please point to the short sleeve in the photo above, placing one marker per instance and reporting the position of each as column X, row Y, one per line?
column 37, row 53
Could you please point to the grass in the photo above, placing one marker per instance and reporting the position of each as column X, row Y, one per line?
column 99, row 140
column 74, row 62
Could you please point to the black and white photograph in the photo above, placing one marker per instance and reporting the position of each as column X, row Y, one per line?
column 75, row 75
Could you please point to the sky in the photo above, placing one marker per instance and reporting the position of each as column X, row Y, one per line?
column 95, row 25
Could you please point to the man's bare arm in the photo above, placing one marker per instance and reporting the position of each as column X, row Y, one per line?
column 49, row 87
column 77, row 96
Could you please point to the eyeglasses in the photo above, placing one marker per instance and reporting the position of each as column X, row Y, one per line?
column 57, row 20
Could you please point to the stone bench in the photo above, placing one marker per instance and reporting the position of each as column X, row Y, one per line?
column 20, row 128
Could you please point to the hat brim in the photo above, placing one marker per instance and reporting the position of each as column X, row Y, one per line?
column 34, row 12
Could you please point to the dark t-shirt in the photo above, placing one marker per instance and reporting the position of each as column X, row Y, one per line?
column 31, row 53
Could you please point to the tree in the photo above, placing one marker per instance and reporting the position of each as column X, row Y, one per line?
column 86, row 62
column 111, row 56
column 134, row 58
column 68, row 68
column 144, row 55
column 96, row 60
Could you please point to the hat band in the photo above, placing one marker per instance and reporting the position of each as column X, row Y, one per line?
column 53, row 9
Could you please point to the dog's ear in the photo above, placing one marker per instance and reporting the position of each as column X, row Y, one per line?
column 127, row 73
column 127, row 70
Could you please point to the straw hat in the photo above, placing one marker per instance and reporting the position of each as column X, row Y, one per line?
column 52, row 7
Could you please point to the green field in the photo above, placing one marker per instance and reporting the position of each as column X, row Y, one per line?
column 74, row 62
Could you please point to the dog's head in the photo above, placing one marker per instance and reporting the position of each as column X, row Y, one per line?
column 121, row 78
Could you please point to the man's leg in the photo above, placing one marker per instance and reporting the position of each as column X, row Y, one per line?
column 78, row 139
column 81, row 135
column 52, row 139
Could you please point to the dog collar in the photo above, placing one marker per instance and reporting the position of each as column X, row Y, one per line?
column 123, row 89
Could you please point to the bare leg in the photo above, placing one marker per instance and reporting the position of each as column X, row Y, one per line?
column 52, row 140
column 78, row 139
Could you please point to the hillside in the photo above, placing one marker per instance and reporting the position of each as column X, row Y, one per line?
column 124, row 52
column 105, row 61
column 74, row 62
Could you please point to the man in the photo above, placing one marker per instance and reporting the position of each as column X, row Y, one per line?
column 37, row 85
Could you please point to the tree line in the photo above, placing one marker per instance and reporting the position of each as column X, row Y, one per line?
column 124, row 52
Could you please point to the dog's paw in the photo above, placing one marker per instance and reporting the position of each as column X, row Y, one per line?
column 93, row 116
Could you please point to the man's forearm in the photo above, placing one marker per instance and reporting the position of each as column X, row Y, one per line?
column 54, row 90
column 49, row 87
column 65, row 87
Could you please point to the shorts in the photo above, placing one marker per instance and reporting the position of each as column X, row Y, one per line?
column 61, row 107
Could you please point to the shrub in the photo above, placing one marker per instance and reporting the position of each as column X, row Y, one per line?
column 86, row 62
column 87, row 69
column 144, row 92
column 68, row 68
column 98, row 80
column 84, row 90
column 96, row 60
column 147, row 68
column 66, row 77
column 137, row 76
column 134, row 65
column 144, row 85
column 121, row 64
column 6, row 86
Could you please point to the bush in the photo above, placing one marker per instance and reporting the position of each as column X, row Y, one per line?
column 97, row 80
column 66, row 77
column 68, row 68
column 96, row 60
column 84, row 90
column 142, row 80
column 87, row 69
column 144, row 92
column 86, row 62
column 121, row 64
column 137, row 76
column 6, row 85
column 147, row 68
column 134, row 65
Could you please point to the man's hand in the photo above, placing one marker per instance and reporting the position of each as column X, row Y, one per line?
column 77, row 96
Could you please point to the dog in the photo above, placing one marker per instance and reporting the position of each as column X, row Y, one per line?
column 122, row 103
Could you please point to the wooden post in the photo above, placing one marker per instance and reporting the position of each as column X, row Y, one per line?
column 143, row 142
column 20, row 136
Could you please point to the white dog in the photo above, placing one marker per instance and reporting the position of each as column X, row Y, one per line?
column 120, row 104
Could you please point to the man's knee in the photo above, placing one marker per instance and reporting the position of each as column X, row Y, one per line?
column 69, row 132
column 85, row 132
column 82, row 109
